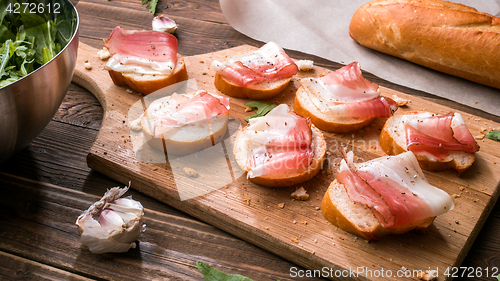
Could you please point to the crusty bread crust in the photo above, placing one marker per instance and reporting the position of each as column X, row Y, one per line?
column 146, row 84
column 448, row 37
column 358, row 219
column 391, row 145
column 260, row 91
column 303, row 107
column 289, row 177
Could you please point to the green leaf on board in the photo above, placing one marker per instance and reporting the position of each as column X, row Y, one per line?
column 493, row 135
column 262, row 109
column 211, row 274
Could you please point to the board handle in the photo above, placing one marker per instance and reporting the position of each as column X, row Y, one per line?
column 90, row 80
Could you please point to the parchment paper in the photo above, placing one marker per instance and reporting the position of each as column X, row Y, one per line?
column 320, row 27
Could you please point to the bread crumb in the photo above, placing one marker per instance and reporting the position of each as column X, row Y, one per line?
column 202, row 61
column 104, row 54
column 300, row 194
column 248, row 109
column 462, row 188
column 454, row 195
column 88, row 66
column 304, row 222
column 190, row 172
column 155, row 169
column 304, row 65
column 475, row 102
column 281, row 205
column 429, row 275
column 479, row 137
column 399, row 101
column 294, row 240
column 247, row 200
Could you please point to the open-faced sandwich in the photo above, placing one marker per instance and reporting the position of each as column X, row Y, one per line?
column 342, row 101
column 184, row 123
column 280, row 149
column 439, row 142
column 261, row 74
column 387, row 195
column 144, row 60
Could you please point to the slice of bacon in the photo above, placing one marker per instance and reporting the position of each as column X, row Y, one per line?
column 202, row 106
column 377, row 107
column 352, row 77
column 146, row 44
column 346, row 93
column 391, row 203
column 274, row 64
column 436, row 136
column 288, row 151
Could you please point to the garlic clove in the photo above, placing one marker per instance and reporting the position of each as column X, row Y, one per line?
column 164, row 24
column 111, row 224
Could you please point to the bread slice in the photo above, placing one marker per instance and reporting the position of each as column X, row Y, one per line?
column 288, row 177
column 148, row 83
column 393, row 142
column 260, row 91
column 358, row 219
column 187, row 139
column 305, row 107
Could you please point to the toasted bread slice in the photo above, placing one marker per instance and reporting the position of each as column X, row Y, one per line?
column 148, row 83
column 260, row 91
column 288, row 177
column 305, row 107
column 393, row 142
column 187, row 139
column 358, row 219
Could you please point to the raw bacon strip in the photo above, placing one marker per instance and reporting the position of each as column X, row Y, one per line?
column 394, row 188
column 377, row 107
column 436, row 136
column 351, row 77
column 405, row 206
column 271, row 160
column 346, row 93
column 203, row 106
column 269, row 63
column 279, row 141
column 361, row 192
column 150, row 45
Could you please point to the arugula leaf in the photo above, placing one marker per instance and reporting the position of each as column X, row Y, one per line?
column 262, row 109
column 211, row 274
column 493, row 135
column 151, row 5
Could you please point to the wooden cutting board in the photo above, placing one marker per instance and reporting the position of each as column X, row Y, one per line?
column 269, row 218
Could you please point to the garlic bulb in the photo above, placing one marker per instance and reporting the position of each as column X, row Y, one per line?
column 112, row 224
column 164, row 24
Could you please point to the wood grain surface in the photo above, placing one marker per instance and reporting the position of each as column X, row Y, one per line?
column 297, row 232
column 47, row 185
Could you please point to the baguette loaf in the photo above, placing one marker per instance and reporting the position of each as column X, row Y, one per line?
column 447, row 37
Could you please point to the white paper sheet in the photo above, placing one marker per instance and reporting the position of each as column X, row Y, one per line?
column 320, row 27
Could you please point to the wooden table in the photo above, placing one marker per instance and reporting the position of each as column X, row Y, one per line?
column 46, row 186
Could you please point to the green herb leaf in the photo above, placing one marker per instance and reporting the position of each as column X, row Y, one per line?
column 262, row 109
column 211, row 274
column 493, row 135
column 151, row 5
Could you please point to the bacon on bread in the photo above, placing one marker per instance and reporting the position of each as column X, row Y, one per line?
column 342, row 101
column 184, row 123
column 440, row 142
column 387, row 195
column 280, row 149
column 144, row 60
column 261, row 74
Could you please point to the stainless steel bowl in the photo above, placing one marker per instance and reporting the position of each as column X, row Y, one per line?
column 27, row 105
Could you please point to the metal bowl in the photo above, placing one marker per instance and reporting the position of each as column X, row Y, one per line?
column 28, row 105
